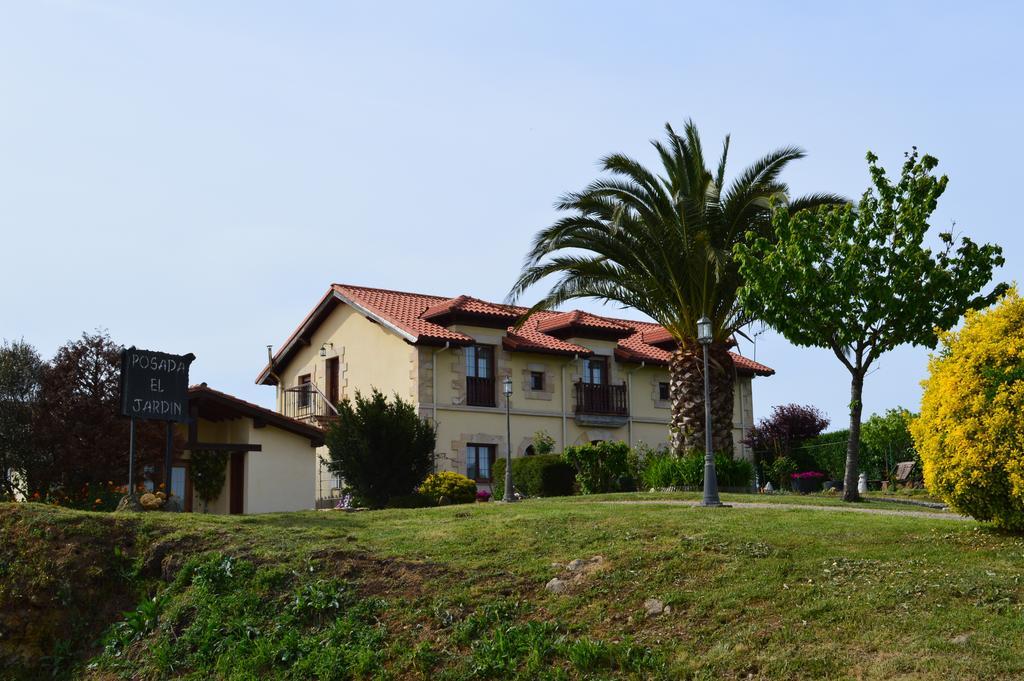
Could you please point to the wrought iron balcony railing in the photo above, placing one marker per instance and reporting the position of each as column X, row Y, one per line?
column 480, row 391
column 307, row 402
column 601, row 399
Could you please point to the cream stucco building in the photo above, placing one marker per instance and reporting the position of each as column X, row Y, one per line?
column 578, row 377
column 272, row 459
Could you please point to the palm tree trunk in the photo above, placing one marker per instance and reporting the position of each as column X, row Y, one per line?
column 722, row 383
column 686, row 388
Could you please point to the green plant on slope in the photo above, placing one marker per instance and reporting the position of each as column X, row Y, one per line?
column 661, row 242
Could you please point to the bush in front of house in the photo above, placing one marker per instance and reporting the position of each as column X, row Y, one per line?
column 599, row 466
column 542, row 475
column 450, row 486
column 380, row 448
column 970, row 433
column 208, row 469
column 669, row 470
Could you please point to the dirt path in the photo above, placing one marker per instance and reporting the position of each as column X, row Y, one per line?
column 804, row 507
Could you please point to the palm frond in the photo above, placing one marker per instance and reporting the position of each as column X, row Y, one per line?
column 661, row 243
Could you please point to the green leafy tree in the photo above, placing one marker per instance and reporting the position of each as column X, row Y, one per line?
column 20, row 372
column 860, row 281
column 380, row 449
column 661, row 242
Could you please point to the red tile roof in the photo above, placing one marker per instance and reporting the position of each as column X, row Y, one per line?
column 410, row 315
column 216, row 405
column 579, row 323
column 472, row 306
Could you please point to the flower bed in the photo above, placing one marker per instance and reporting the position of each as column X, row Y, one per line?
column 807, row 481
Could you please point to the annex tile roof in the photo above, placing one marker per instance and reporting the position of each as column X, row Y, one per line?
column 214, row 405
column 420, row 319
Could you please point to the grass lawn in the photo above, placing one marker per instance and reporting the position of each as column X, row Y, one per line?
column 458, row 592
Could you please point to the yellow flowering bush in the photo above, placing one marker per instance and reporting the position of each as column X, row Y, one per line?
column 970, row 434
column 456, row 488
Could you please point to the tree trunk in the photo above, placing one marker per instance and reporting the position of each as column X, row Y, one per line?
column 686, row 388
column 850, row 492
column 722, row 383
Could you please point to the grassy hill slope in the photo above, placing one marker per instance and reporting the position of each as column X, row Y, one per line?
column 458, row 592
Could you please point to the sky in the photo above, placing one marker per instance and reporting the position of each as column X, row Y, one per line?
column 192, row 176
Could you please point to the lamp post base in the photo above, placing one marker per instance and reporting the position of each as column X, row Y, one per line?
column 714, row 504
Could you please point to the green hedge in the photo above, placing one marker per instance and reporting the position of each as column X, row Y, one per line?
column 544, row 475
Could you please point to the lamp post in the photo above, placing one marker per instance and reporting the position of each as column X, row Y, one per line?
column 506, row 389
column 704, row 334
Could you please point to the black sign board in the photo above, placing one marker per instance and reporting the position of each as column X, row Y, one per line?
column 154, row 385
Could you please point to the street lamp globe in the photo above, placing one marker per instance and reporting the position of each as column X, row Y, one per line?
column 704, row 330
column 506, row 386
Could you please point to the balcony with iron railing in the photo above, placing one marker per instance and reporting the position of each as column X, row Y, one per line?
column 601, row 404
column 306, row 402
column 480, row 391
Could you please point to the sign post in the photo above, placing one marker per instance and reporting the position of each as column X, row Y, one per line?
column 154, row 386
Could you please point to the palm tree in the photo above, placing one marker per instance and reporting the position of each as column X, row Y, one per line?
column 662, row 244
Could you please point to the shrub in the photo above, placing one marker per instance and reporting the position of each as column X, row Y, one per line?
column 732, row 472
column 456, row 488
column 641, row 455
column 781, row 433
column 669, row 470
column 970, row 433
column 658, row 471
column 780, row 470
column 536, row 476
column 208, row 471
column 601, row 467
column 542, row 444
column 380, row 449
